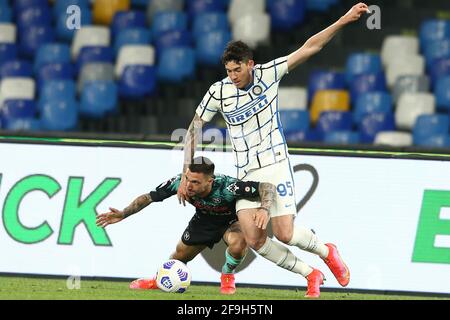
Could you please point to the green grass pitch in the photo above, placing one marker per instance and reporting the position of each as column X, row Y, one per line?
column 24, row 288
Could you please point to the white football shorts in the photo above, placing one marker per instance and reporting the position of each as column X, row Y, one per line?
column 281, row 175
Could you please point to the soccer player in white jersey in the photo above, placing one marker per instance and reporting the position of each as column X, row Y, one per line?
column 248, row 101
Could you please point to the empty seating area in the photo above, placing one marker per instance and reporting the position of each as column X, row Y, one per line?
column 142, row 67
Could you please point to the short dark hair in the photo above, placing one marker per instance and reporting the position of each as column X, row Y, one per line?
column 202, row 165
column 237, row 51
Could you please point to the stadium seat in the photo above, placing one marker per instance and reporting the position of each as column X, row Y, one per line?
column 362, row 63
column 54, row 71
column 128, row 19
column 98, row 98
column 286, row 15
column 412, row 105
column 241, row 8
column 59, row 115
column 442, row 93
column 165, row 21
column 394, row 139
column 329, row 100
column 134, row 54
column 103, row 11
column 8, row 33
column 175, row 38
column 89, row 36
column 23, row 124
column 365, row 83
column 398, row 45
column 16, row 68
column 373, row 123
column 91, row 54
column 439, row 68
column 17, row 88
column 432, row 30
column 210, row 21
column 253, row 29
column 176, row 64
column 210, row 47
column 18, row 108
column 57, row 90
column 67, row 34
column 294, row 121
column 344, row 137
column 158, row 6
column 8, row 51
column 6, row 15
column 437, row 49
column 34, row 16
column 379, row 102
column 60, row 6
column 33, row 37
column 435, row 141
column 428, row 125
column 411, row 84
column 319, row 5
column 309, row 135
column 95, row 71
column 292, row 98
column 407, row 65
column 325, row 80
column 51, row 53
column 195, row 7
column 20, row 5
column 137, row 81
column 330, row 121
column 131, row 36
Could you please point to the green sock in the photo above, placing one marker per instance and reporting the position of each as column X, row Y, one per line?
column 231, row 263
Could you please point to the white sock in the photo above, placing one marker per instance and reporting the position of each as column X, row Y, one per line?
column 283, row 257
column 306, row 240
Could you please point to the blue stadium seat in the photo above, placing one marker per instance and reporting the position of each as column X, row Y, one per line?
column 325, row 80
column 295, row 121
column 90, row 54
column 59, row 115
column 207, row 22
column 333, row 121
column 52, row 53
column 286, row 14
column 18, row 108
column 439, row 68
column 32, row 38
column 442, row 93
column 137, row 81
column 176, row 64
column 435, row 141
column 175, row 38
column 436, row 50
column 210, row 46
column 362, row 63
column 319, row 5
column 432, row 30
column 34, row 16
column 379, row 102
column 60, row 6
column 57, row 90
column 98, row 98
column 428, row 125
column 309, row 135
column 342, row 137
column 373, row 123
column 54, row 71
column 164, row 21
column 20, row 5
column 23, row 124
column 131, row 36
column 16, row 68
column 128, row 19
column 195, row 7
column 367, row 83
column 5, row 14
column 65, row 34
column 8, row 51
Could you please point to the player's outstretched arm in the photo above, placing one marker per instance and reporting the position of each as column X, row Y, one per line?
column 115, row 215
column 190, row 144
column 267, row 193
column 314, row 44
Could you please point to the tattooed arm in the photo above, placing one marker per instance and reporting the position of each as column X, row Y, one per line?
column 267, row 193
column 115, row 215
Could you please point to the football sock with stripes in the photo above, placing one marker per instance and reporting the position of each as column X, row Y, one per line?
column 283, row 257
column 305, row 239
column 231, row 263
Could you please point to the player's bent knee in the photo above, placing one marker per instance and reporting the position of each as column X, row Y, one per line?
column 284, row 237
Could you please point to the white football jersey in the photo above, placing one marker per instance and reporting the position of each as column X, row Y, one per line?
column 251, row 115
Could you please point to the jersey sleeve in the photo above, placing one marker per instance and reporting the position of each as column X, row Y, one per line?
column 166, row 189
column 244, row 189
column 274, row 70
column 210, row 104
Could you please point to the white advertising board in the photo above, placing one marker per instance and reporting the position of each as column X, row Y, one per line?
column 390, row 218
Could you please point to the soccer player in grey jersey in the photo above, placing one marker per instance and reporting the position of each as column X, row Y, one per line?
column 248, row 101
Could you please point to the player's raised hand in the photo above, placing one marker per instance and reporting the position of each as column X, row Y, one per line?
column 355, row 13
column 108, row 218
column 181, row 193
column 261, row 218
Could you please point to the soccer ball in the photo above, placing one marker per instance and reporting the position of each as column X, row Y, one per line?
column 173, row 276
